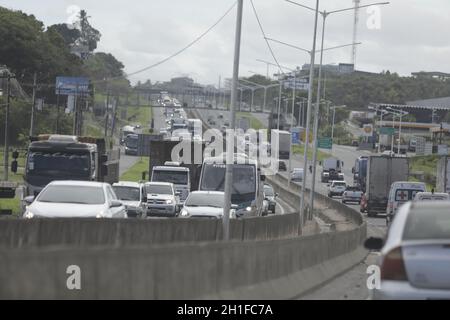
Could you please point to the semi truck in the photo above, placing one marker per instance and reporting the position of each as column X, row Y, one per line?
column 331, row 170
column 360, row 172
column 443, row 175
column 381, row 173
column 60, row 157
column 284, row 143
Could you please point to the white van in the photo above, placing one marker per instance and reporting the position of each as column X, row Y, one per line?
column 400, row 193
column 431, row 196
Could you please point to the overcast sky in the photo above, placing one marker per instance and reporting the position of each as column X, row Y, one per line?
column 413, row 36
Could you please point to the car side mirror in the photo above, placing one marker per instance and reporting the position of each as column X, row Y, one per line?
column 263, row 177
column 374, row 244
column 28, row 200
column 116, row 204
column 353, row 170
column 276, row 195
column 144, row 199
column 14, row 166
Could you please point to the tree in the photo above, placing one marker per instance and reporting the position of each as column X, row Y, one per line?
column 70, row 35
column 89, row 35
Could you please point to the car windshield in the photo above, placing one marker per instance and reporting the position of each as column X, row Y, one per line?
column 406, row 194
column 175, row 177
column 47, row 163
column 339, row 184
column 244, row 181
column 131, row 142
column 127, row 193
column 424, row 224
column 72, row 194
column 158, row 189
column 205, row 200
column 268, row 191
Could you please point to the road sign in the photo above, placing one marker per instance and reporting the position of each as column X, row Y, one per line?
column 72, row 85
column 368, row 130
column 325, row 143
column 300, row 84
column 387, row 131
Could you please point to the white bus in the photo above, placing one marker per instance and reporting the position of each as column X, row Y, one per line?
column 247, row 190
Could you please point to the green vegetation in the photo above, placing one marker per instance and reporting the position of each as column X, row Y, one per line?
column 139, row 115
column 320, row 154
column 11, row 204
column 426, row 165
column 254, row 122
column 135, row 172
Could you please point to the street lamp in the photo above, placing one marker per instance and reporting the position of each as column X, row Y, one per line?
column 316, row 113
column 400, row 114
column 334, row 117
column 324, row 15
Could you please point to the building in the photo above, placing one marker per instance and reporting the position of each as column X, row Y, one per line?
column 431, row 75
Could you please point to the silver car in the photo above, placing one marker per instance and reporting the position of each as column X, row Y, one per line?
column 75, row 199
column 415, row 260
column 205, row 204
column 132, row 195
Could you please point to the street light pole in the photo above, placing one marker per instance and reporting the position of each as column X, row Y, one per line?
column 230, row 142
column 6, row 147
column 33, row 103
column 279, row 106
column 316, row 119
column 332, row 126
column 308, row 117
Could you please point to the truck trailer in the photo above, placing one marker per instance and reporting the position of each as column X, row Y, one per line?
column 382, row 171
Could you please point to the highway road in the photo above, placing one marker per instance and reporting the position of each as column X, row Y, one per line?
column 352, row 284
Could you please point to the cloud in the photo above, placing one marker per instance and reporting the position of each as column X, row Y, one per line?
column 413, row 34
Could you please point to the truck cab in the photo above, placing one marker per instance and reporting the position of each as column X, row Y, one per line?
column 173, row 173
column 331, row 170
column 131, row 144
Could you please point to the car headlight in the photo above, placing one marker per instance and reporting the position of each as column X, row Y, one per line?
column 28, row 215
column 184, row 213
column 100, row 215
column 169, row 201
column 248, row 209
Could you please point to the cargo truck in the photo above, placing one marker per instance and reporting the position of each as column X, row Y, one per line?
column 284, row 143
column 381, row 173
column 443, row 175
column 331, row 170
column 60, row 157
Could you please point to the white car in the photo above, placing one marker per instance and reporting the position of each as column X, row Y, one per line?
column 336, row 188
column 431, row 196
column 414, row 260
column 297, row 175
column 132, row 196
column 161, row 199
column 205, row 204
column 75, row 199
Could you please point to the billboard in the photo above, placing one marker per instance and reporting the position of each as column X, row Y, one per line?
column 300, row 84
column 72, row 86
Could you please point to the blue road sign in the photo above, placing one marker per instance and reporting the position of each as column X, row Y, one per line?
column 72, row 86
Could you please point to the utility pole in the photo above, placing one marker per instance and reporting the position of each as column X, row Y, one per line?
column 107, row 114
column 316, row 120
column 33, row 105
column 230, row 142
column 279, row 105
column 308, row 117
column 57, row 111
column 6, row 150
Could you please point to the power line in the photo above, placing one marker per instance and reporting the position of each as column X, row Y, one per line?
column 186, row 47
column 265, row 38
column 169, row 57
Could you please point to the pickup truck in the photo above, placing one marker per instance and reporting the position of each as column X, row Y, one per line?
column 352, row 194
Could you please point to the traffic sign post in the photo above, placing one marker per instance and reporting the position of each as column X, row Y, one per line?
column 325, row 143
column 387, row 131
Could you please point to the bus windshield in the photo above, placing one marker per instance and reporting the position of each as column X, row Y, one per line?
column 175, row 177
column 244, row 181
column 45, row 163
